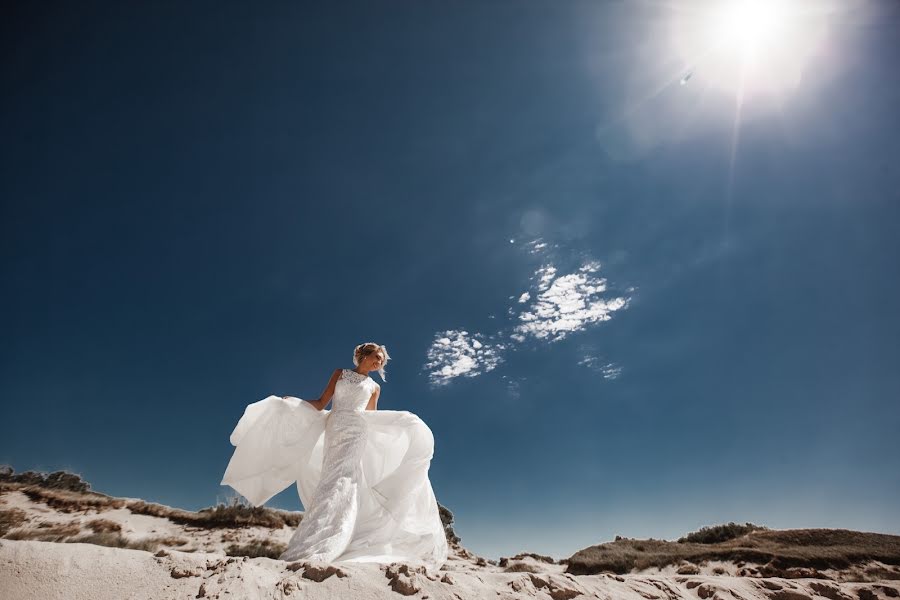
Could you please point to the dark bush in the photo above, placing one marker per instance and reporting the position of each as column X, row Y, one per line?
column 256, row 548
column 719, row 533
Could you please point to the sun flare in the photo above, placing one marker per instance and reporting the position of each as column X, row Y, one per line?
column 748, row 46
column 747, row 27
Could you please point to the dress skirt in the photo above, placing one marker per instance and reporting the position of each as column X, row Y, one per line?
column 362, row 477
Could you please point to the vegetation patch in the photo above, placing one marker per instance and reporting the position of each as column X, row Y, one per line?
column 68, row 501
column 117, row 540
column 447, row 520
column 58, row 480
column 104, row 526
column 779, row 551
column 256, row 548
column 46, row 532
column 719, row 533
column 10, row 518
column 233, row 514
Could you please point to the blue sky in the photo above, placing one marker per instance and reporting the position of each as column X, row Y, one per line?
column 623, row 304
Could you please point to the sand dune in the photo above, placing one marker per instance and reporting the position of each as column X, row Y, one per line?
column 61, row 540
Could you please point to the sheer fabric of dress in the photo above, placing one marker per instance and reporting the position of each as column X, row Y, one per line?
column 361, row 475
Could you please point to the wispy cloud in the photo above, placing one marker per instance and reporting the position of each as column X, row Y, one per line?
column 566, row 304
column 513, row 386
column 609, row 370
column 458, row 353
column 536, row 246
column 556, row 305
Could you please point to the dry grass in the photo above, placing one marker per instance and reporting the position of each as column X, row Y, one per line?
column 10, row 518
column 776, row 550
column 256, row 548
column 60, row 480
column 539, row 557
column 719, row 533
column 46, row 532
column 117, row 540
column 104, row 526
column 68, row 493
column 68, row 501
column 230, row 515
column 516, row 564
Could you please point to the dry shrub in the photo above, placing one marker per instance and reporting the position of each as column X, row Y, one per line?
column 68, row 493
column 719, row 533
column 447, row 520
column 540, row 557
column 10, row 518
column 520, row 567
column 60, row 480
column 46, row 532
column 67, row 501
column 112, row 539
column 504, row 561
column 172, row 540
column 256, row 548
column 779, row 551
column 104, row 526
column 117, row 540
column 231, row 515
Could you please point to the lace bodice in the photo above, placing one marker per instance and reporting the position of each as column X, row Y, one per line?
column 352, row 391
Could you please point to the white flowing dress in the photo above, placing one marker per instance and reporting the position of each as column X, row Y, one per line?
column 362, row 476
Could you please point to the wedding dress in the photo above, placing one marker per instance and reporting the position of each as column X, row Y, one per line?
column 362, row 476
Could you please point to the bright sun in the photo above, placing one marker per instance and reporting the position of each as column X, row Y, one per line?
column 747, row 27
column 748, row 46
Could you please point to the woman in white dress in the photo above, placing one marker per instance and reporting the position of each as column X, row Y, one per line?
column 361, row 473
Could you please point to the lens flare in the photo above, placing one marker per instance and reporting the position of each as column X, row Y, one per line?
column 747, row 27
column 749, row 46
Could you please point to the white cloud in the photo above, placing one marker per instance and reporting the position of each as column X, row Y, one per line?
column 545, row 275
column 588, row 361
column 557, row 306
column 458, row 353
column 536, row 246
column 611, row 371
column 566, row 304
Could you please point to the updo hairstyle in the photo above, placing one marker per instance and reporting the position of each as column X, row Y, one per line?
column 363, row 350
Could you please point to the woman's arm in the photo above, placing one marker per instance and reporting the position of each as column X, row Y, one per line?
column 327, row 393
column 373, row 401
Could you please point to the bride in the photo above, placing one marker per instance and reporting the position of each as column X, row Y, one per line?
column 361, row 473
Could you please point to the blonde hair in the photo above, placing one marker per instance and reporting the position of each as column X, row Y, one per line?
column 364, row 350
